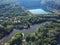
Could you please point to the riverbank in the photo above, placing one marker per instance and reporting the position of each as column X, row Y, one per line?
column 25, row 31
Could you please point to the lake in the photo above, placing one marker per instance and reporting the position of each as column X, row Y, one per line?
column 34, row 6
column 39, row 11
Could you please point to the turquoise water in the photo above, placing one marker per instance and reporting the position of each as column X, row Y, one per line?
column 39, row 11
column 34, row 6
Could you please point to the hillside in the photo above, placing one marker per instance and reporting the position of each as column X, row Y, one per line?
column 52, row 5
column 19, row 27
column 10, row 8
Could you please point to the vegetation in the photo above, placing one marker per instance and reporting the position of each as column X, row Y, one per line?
column 5, row 30
column 16, row 40
column 45, row 35
column 8, row 10
column 12, row 16
column 24, row 22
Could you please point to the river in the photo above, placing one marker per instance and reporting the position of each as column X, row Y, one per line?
column 25, row 31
